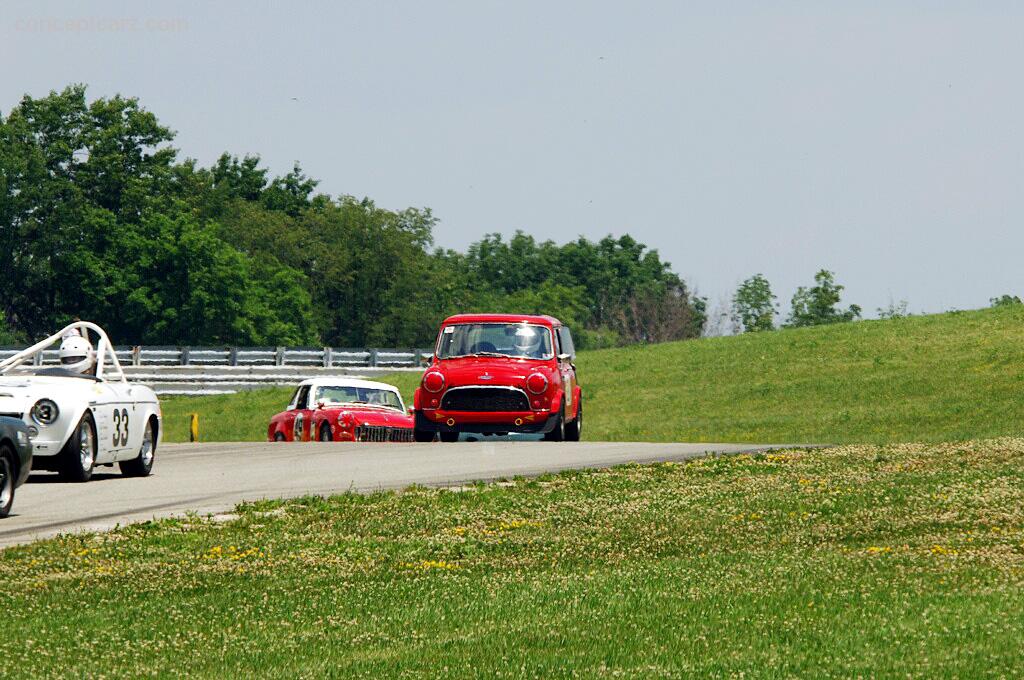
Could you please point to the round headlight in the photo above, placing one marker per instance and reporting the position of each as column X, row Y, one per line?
column 537, row 383
column 45, row 412
column 433, row 382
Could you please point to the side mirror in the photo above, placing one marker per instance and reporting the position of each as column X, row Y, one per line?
column 320, row 405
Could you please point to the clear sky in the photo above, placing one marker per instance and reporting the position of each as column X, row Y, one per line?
column 881, row 140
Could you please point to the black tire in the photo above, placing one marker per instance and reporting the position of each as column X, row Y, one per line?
column 8, row 472
column 279, row 437
column 142, row 464
column 423, row 436
column 449, row 437
column 325, row 433
column 574, row 430
column 558, row 433
column 75, row 463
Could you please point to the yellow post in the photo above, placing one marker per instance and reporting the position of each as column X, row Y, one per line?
column 193, row 427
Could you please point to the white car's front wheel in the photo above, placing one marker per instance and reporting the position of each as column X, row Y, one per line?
column 141, row 465
column 79, row 455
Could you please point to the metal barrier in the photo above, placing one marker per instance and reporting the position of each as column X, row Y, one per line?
column 321, row 357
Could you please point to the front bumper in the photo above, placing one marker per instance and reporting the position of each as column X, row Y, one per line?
column 486, row 422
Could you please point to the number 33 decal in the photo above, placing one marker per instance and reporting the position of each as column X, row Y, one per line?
column 121, row 427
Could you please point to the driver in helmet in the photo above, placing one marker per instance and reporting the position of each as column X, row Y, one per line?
column 76, row 354
column 527, row 342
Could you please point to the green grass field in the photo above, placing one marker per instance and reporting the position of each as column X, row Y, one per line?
column 860, row 561
column 943, row 377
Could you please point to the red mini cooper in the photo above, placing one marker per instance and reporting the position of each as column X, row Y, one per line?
column 500, row 373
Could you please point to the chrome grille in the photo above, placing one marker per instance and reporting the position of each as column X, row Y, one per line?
column 485, row 399
column 380, row 433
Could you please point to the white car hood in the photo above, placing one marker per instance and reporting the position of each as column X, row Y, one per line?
column 18, row 393
column 15, row 395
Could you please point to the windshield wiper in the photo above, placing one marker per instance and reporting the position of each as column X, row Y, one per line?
column 490, row 354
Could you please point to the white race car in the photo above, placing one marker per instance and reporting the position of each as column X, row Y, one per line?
column 83, row 412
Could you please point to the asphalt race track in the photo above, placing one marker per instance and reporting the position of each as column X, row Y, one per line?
column 212, row 478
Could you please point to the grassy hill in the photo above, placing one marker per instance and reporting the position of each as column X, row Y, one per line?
column 941, row 377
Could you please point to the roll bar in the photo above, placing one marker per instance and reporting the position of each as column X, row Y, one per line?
column 104, row 350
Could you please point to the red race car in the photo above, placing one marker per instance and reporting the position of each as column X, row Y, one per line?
column 343, row 410
column 494, row 374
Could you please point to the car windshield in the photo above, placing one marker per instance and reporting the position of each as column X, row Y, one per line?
column 336, row 394
column 518, row 340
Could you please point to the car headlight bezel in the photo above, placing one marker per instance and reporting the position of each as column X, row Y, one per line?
column 537, row 383
column 431, row 384
column 45, row 412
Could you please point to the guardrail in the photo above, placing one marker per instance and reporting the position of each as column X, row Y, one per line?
column 300, row 357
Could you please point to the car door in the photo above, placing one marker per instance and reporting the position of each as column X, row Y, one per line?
column 302, row 416
column 132, row 420
column 567, row 355
column 113, row 413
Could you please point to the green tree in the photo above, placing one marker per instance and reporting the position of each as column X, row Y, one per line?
column 630, row 293
column 1004, row 301
column 753, row 305
column 818, row 304
column 895, row 310
column 98, row 221
column 71, row 172
column 7, row 336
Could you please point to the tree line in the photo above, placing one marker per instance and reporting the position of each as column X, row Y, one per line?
column 754, row 307
column 101, row 220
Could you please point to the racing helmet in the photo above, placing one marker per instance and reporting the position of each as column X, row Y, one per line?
column 527, row 340
column 76, row 354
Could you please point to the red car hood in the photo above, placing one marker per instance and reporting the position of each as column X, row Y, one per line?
column 365, row 414
column 490, row 371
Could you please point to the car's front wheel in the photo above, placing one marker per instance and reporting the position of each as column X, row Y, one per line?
column 423, row 435
column 325, row 433
column 141, row 465
column 557, row 434
column 279, row 437
column 79, row 455
column 7, row 474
